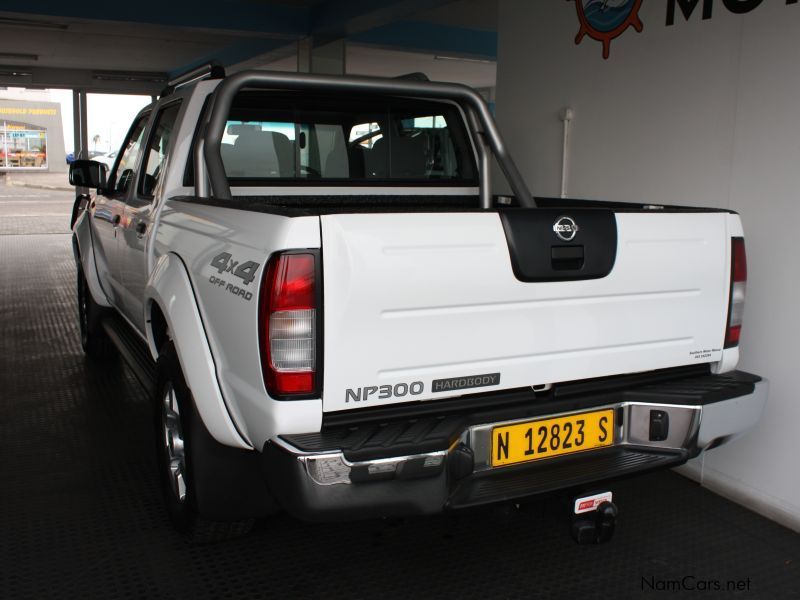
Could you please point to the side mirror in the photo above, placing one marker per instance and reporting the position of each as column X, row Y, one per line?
column 88, row 173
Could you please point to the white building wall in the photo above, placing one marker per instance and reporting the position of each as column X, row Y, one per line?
column 704, row 112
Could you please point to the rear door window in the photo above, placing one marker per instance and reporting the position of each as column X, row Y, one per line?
column 157, row 149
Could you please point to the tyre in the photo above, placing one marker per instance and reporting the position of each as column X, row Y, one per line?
column 174, row 414
column 94, row 340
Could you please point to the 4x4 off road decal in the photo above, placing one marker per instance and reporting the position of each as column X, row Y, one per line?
column 245, row 271
column 604, row 20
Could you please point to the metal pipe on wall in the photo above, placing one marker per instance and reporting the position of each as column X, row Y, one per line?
column 566, row 118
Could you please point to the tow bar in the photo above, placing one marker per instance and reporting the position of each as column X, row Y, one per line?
column 594, row 517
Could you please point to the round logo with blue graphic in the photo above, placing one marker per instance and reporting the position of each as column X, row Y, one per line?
column 607, row 15
column 604, row 20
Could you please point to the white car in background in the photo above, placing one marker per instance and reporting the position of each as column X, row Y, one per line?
column 107, row 159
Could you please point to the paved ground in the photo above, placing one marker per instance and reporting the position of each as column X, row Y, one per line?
column 80, row 511
column 26, row 210
column 35, row 179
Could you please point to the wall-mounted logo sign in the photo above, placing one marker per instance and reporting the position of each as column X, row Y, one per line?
column 604, row 20
column 737, row 7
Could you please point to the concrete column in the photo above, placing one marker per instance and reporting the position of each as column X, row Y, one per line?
column 322, row 59
column 80, row 130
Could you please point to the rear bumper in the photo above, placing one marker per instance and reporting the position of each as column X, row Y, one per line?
column 331, row 483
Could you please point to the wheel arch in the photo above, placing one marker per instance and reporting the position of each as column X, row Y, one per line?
column 225, row 488
column 157, row 328
column 172, row 313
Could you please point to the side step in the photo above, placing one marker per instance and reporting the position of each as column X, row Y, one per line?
column 133, row 349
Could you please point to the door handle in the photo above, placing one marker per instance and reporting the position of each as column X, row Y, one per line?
column 141, row 228
column 566, row 258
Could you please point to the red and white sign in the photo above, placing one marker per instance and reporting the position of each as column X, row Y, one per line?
column 590, row 503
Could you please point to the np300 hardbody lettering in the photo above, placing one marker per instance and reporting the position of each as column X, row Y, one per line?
column 383, row 392
column 471, row 381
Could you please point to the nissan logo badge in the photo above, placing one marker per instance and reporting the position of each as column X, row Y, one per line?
column 565, row 228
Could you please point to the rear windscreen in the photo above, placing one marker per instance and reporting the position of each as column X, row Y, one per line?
column 290, row 137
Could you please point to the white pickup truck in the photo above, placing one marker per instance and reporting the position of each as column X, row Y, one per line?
column 336, row 317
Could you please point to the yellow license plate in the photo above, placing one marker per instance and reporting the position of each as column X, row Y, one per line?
column 547, row 438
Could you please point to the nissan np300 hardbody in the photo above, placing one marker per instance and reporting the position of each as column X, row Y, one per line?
column 336, row 317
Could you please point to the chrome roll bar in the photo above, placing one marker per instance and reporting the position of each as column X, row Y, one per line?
column 208, row 157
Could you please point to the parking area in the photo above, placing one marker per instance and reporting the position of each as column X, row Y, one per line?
column 28, row 210
column 81, row 514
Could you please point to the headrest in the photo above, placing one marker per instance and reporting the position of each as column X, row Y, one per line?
column 240, row 128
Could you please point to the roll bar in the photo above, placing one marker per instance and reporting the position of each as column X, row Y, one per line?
column 485, row 132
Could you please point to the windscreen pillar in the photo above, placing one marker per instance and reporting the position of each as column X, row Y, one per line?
column 321, row 58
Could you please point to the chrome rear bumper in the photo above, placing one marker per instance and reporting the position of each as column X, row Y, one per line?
column 326, row 485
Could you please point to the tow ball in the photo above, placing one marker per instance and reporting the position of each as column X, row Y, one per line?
column 594, row 517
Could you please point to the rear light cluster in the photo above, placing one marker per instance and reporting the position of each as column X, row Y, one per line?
column 288, row 324
column 738, row 287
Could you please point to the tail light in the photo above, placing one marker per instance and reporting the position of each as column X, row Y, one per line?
column 738, row 287
column 288, row 325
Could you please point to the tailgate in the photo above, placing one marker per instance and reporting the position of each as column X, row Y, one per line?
column 429, row 306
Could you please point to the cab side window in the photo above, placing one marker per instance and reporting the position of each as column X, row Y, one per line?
column 157, row 149
column 130, row 154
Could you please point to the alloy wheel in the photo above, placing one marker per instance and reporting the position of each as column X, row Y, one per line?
column 174, row 448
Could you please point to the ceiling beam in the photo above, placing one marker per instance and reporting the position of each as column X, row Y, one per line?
column 334, row 19
column 119, row 82
column 264, row 29
column 241, row 51
column 432, row 38
column 232, row 15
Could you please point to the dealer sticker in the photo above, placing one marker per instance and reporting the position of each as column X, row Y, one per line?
column 590, row 503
